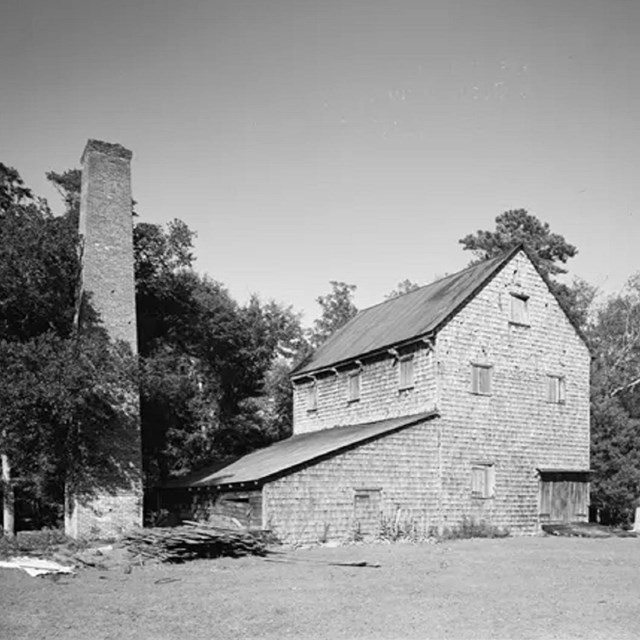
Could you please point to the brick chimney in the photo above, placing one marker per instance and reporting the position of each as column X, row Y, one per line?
column 106, row 228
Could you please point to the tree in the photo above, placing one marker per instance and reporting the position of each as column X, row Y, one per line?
column 518, row 226
column 549, row 250
column 39, row 264
column 337, row 309
column 65, row 403
column 615, row 404
column 406, row 286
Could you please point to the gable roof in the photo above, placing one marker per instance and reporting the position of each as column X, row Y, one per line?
column 287, row 455
column 406, row 317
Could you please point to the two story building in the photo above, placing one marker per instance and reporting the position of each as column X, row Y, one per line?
column 466, row 399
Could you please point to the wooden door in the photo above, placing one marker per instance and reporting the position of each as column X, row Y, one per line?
column 564, row 496
column 366, row 508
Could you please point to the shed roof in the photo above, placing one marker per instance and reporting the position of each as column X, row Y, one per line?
column 294, row 452
column 417, row 313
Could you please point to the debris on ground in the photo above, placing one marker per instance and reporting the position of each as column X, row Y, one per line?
column 587, row 530
column 35, row 566
column 193, row 540
column 288, row 559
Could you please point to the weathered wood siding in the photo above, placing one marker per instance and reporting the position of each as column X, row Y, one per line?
column 380, row 396
column 515, row 428
column 319, row 502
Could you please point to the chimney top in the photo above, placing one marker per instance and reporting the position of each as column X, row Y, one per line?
column 110, row 149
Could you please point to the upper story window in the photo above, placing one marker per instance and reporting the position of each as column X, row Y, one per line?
column 406, row 373
column 481, row 375
column 353, row 386
column 312, row 396
column 519, row 309
column 556, row 389
column 483, row 480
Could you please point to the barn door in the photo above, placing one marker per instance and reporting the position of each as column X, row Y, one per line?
column 366, row 511
column 564, row 496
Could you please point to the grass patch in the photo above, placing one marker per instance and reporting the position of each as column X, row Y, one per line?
column 470, row 528
column 41, row 543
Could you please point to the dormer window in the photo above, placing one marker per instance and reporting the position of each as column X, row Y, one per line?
column 519, row 309
column 312, row 396
column 353, row 386
column 406, row 373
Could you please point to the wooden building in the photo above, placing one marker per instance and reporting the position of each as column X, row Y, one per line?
column 466, row 399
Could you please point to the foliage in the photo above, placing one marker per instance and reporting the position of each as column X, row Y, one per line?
column 404, row 527
column 615, row 405
column 549, row 250
column 406, row 286
column 337, row 309
column 38, row 264
column 66, row 406
column 35, row 543
column 471, row 528
column 207, row 363
column 518, row 226
column 68, row 184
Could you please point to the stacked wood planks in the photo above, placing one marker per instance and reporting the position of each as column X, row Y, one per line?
column 189, row 541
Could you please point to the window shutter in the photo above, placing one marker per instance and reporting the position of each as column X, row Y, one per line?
column 556, row 389
column 354, row 387
column 483, row 480
column 519, row 310
column 485, row 379
column 312, row 397
column 475, row 379
column 481, row 379
column 406, row 372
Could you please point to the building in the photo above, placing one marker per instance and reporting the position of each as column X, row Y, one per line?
column 467, row 399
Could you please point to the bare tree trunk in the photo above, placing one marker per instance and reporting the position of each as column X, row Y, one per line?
column 8, row 501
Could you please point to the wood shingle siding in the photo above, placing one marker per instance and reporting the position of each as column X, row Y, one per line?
column 487, row 382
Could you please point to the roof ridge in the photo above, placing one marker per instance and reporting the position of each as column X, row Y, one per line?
column 449, row 275
column 371, row 328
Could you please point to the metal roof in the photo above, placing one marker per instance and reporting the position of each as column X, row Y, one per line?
column 408, row 316
column 286, row 455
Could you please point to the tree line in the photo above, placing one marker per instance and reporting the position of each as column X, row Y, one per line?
column 213, row 374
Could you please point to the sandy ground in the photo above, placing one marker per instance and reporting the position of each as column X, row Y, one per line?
column 540, row 587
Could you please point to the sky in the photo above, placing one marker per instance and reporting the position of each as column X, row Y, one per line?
column 356, row 140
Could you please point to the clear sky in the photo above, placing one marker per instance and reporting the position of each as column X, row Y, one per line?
column 355, row 140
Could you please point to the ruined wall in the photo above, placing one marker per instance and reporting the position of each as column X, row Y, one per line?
column 515, row 427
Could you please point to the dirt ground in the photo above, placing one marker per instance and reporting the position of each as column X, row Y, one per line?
column 542, row 587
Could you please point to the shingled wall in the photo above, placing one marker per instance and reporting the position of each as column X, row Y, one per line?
column 515, row 428
column 380, row 397
column 318, row 502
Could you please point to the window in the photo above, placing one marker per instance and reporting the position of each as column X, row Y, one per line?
column 483, row 480
column 353, row 389
column 556, row 389
column 406, row 372
column 519, row 309
column 312, row 397
column 481, row 379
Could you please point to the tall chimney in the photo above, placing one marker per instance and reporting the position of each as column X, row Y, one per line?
column 106, row 228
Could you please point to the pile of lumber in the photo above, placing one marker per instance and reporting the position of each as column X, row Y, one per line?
column 189, row 541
